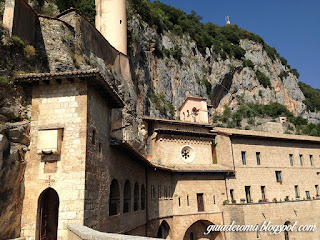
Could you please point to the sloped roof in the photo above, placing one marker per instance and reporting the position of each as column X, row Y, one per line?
column 92, row 76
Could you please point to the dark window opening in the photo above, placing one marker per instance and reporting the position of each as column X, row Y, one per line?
column 231, row 195
column 278, row 176
column 291, row 160
column 258, row 158
column 263, row 194
column 114, row 198
column 248, row 194
column 243, row 156
column 300, row 156
column 127, row 197
column 296, row 190
column 200, row 202
column 136, row 197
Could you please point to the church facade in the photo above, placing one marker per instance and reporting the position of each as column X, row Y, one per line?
column 81, row 170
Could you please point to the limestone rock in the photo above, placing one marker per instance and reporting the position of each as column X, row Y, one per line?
column 19, row 132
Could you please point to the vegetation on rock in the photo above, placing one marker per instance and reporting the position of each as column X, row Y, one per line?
column 312, row 100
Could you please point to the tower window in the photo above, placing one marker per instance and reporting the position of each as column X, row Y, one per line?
column 120, row 21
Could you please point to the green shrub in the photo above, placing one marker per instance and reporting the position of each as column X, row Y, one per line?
column 283, row 75
column 3, row 80
column 312, row 100
column 177, row 53
column 162, row 105
column 263, row 79
column 29, row 52
column 248, row 63
column 17, row 42
column 295, row 72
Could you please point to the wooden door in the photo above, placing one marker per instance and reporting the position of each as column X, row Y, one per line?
column 48, row 217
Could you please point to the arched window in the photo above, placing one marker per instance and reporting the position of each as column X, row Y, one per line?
column 143, row 197
column 286, row 233
column 114, row 198
column 136, row 197
column 127, row 197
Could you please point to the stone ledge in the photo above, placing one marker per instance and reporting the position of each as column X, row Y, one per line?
column 86, row 233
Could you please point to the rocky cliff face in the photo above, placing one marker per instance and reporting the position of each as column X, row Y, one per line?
column 14, row 139
column 206, row 75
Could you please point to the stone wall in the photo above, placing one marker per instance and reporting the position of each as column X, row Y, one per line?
column 62, row 106
column 105, row 163
column 274, row 156
column 304, row 212
column 79, row 232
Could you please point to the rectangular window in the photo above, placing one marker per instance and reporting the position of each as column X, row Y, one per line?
column 153, row 194
column 243, row 156
column 231, row 194
column 187, row 200
column 300, row 156
column 93, row 137
column 179, row 201
column 263, row 194
column 311, row 162
column 200, row 202
column 248, row 194
column 159, row 191
column 278, row 176
column 258, row 158
column 291, row 159
column 165, row 192
column 317, row 190
column 296, row 190
column 308, row 194
column 170, row 192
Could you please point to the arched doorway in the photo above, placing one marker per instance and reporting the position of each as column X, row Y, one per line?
column 196, row 231
column 48, row 210
column 164, row 230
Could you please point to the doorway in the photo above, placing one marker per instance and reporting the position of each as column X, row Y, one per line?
column 48, row 209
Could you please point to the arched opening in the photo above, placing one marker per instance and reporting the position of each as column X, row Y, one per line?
column 197, row 230
column 48, row 210
column 164, row 230
column 286, row 233
column 143, row 197
column 114, row 198
column 127, row 197
column 136, row 197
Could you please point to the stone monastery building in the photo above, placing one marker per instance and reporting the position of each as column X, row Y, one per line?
column 83, row 180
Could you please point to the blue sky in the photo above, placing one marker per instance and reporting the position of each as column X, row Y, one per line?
column 292, row 27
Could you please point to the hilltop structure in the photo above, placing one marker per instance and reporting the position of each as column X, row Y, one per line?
column 82, row 170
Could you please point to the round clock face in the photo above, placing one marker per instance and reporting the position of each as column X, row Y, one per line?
column 187, row 154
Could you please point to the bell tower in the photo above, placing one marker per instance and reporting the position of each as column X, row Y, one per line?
column 111, row 21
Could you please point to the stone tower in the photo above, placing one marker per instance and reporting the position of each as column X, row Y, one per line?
column 111, row 21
